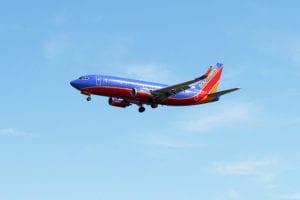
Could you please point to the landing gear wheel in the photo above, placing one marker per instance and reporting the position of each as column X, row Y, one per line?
column 142, row 109
column 89, row 98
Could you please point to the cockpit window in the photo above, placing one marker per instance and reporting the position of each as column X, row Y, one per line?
column 83, row 78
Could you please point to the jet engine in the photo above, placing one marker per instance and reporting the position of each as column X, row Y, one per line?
column 133, row 92
column 140, row 93
column 118, row 102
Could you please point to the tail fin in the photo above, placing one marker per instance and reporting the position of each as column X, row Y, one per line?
column 211, row 83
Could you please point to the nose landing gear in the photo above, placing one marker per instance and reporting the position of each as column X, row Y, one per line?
column 142, row 109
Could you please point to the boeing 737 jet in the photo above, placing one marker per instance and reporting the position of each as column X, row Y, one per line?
column 123, row 92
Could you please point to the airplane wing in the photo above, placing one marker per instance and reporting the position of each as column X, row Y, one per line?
column 220, row 93
column 165, row 92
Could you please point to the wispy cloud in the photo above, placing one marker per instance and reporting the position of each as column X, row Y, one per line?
column 235, row 116
column 172, row 143
column 234, row 194
column 291, row 196
column 15, row 133
column 262, row 171
column 242, row 167
column 226, row 116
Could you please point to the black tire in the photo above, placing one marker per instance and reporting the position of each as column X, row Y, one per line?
column 142, row 109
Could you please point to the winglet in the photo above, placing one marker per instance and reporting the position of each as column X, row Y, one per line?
column 208, row 71
column 205, row 75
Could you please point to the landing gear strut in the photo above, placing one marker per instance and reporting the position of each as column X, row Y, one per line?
column 142, row 109
column 89, row 98
column 154, row 105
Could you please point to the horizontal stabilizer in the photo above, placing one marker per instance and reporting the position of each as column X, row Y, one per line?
column 220, row 93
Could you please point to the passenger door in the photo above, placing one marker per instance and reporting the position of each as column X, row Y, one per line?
column 98, row 80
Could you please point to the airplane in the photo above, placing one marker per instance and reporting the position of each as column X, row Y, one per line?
column 123, row 92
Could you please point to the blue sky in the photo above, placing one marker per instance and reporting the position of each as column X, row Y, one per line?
column 55, row 145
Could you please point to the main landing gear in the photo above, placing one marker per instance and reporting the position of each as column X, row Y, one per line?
column 142, row 108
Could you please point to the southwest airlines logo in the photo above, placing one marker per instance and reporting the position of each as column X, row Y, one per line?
column 210, row 76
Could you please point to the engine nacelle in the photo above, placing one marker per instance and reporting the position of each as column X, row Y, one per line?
column 140, row 93
column 118, row 102
column 133, row 92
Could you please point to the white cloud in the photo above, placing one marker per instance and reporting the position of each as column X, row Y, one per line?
column 172, row 143
column 13, row 132
column 225, row 116
column 292, row 196
column 260, row 171
column 151, row 72
column 241, row 167
column 233, row 194
column 234, row 116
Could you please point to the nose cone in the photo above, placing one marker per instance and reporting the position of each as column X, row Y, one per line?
column 75, row 84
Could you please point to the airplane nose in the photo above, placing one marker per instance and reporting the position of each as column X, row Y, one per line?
column 74, row 84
